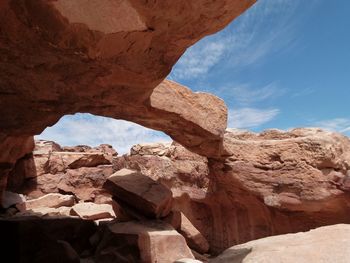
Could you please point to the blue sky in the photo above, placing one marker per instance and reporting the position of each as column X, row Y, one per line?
column 282, row 64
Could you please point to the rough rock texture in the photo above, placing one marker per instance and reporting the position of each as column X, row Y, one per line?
column 324, row 244
column 92, row 211
column 11, row 149
column 140, row 192
column 79, row 170
column 152, row 241
column 270, row 183
column 51, row 201
column 107, row 58
column 194, row 238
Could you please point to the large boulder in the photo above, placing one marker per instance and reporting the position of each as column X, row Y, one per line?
column 150, row 241
column 140, row 192
column 324, row 244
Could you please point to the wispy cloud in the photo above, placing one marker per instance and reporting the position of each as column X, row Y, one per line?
column 245, row 94
column 338, row 124
column 197, row 61
column 94, row 130
column 262, row 29
column 245, row 118
column 303, row 93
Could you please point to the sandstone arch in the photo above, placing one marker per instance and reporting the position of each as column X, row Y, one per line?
column 105, row 57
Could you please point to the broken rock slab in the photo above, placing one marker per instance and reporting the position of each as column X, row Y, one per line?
column 52, row 200
column 92, row 211
column 148, row 241
column 324, row 244
column 149, row 197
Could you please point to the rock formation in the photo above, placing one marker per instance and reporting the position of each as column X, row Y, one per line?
column 105, row 57
column 324, row 244
column 271, row 183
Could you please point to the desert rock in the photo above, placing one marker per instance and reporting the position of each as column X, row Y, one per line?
column 141, row 242
column 324, row 244
column 140, row 192
column 52, row 200
column 92, row 211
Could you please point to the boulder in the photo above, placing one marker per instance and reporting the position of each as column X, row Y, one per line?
column 140, row 192
column 63, row 211
column 194, row 238
column 150, row 241
column 92, row 211
column 52, row 200
column 324, row 244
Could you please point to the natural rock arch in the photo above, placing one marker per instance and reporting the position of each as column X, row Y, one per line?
column 106, row 58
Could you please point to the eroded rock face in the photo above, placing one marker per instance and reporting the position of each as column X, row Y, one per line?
column 271, row 183
column 106, row 58
column 324, row 244
column 79, row 170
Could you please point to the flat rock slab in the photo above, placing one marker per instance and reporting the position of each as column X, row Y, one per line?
column 52, row 200
column 321, row 245
column 148, row 241
column 140, row 192
column 92, row 211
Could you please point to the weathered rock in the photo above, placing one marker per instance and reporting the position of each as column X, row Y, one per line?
column 51, row 201
column 140, row 192
column 60, row 171
column 274, row 183
column 92, row 211
column 270, row 183
column 12, row 148
column 170, row 164
column 325, row 244
column 46, row 239
column 194, row 238
column 151, row 241
column 62, row 211
column 23, row 170
column 97, row 65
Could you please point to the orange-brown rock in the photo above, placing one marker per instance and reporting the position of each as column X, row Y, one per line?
column 150, row 241
column 270, row 183
column 106, row 57
column 140, row 192
column 79, row 170
column 324, row 244
column 92, row 211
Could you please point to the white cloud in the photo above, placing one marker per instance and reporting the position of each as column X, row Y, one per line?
column 245, row 118
column 245, row 94
column 94, row 130
column 198, row 60
column 264, row 28
column 338, row 124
